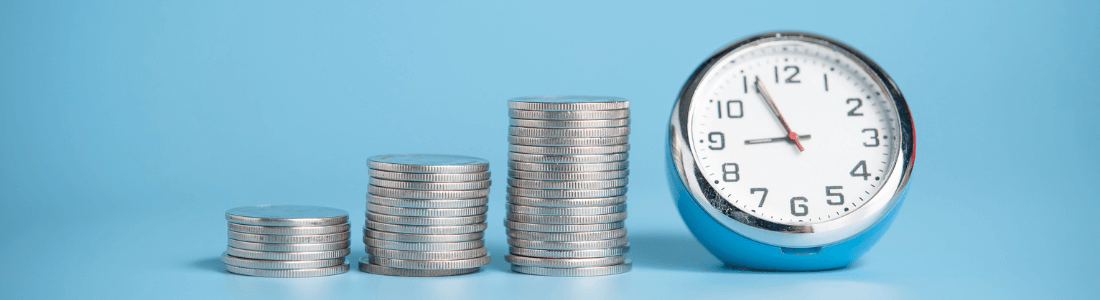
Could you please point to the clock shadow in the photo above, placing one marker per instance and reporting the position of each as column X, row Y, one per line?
column 852, row 266
column 680, row 252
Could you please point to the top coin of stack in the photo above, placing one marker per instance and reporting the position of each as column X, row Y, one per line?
column 567, row 185
column 287, row 241
column 426, row 215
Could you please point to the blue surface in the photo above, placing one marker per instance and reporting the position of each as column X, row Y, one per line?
column 127, row 130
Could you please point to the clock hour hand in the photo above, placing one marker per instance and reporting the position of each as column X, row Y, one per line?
column 775, row 111
column 778, row 139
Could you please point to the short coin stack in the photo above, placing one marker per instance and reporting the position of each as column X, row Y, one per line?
column 287, row 241
column 426, row 215
column 567, row 185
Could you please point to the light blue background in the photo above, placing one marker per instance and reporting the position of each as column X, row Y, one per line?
column 127, row 129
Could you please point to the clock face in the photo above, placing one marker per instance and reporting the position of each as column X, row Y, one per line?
column 793, row 132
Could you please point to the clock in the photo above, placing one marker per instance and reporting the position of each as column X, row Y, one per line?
column 789, row 151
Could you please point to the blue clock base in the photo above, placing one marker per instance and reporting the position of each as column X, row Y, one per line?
column 738, row 251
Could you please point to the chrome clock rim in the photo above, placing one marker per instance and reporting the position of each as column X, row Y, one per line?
column 785, row 235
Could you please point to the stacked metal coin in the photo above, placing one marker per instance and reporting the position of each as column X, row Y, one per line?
column 287, row 241
column 567, row 185
column 426, row 215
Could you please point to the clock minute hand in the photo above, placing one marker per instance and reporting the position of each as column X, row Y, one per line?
column 778, row 139
column 775, row 111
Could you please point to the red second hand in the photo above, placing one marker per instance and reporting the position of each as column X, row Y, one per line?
column 775, row 110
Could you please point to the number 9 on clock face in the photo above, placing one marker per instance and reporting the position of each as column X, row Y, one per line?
column 793, row 132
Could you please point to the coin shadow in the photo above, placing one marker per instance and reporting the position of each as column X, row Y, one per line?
column 673, row 252
column 498, row 263
column 212, row 264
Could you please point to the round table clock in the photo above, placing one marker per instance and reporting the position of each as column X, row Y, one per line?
column 789, row 151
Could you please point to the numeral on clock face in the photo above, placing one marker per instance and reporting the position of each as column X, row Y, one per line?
column 733, row 109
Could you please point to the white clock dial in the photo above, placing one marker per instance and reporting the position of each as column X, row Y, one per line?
column 846, row 125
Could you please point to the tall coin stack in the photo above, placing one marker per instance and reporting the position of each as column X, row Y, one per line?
column 426, row 215
column 287, row 241
column 567, row 185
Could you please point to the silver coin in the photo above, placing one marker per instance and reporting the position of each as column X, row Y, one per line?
column 430, row 264
column 566, row 202
column 326, row 271
column 564, row 262
column 570, row 123
column 428, row 163
column 568, row 175
column 428, row 255
column 423, row 246
column 290, row 239
column 569, row 115
column 429, row 177
column 415, row 194
column 562, row 227
column 569, row 150
column 420, row 203
column 568, row 159
column 279, row 264
column 418, row 229
column 423, row 238
column 567, row 184
column 576, row 142
column 367, row 267
column 420, row 185
column 556, row 167
column 566, row 211
column 537, row 193
column 426, row 212
column 561, row 220
column 288, row 247
column 570, row 245
column 570, row 253
column 286, row 215
column 568, row 132
column 568, row 103
column 568, row 236
column 308, row 255
column 289, row 230
column 574, row 272
column 435, row 221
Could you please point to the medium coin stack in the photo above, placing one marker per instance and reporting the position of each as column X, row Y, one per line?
column 567, row 176
column 287, row 241
column 426, row 215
